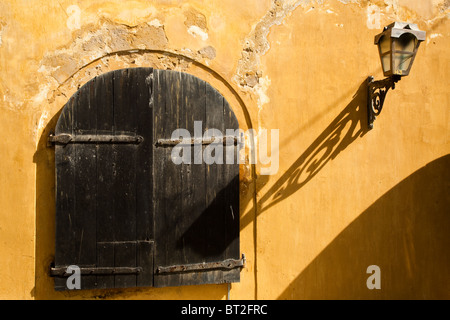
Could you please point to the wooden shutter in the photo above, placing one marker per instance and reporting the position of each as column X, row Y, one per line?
column 196, row 205
column 125, row 213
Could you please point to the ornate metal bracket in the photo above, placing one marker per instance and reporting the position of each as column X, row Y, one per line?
column 377, row 91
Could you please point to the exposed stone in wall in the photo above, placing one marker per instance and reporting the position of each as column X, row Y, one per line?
column 195, row 18
column 208, row 52
column 98, row 48
column 2, row 25
column 248, row 72
column 92, row 42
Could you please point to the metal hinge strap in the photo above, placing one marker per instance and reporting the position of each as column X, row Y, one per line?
column 224, row 265
column 225, row 140
column 64, row 139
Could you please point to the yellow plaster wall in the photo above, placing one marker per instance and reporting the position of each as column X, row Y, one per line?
column 343, row 198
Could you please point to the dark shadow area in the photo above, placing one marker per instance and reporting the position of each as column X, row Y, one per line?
column 405, row 233
column 349, row 125
column 211, row 234
column 44, row 158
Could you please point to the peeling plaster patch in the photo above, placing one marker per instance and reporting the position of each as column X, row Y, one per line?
column 391, row 4
column 373, row 17
column 249, row 74
column 197, row 31
column 433, row 36
column 155, row 23
column 443, row 12
column 149, row 37
column 42, row 95
column 119, row 39
column 208, row 52
column 2, row 24
column 92, row 43
column 261, row 89
column 195, row 18
column 256, row 44
column 73, row 21
column 43, row 120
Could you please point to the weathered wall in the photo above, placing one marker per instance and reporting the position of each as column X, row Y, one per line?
column 343, row 198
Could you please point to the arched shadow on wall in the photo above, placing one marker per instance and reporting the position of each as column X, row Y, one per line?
column 44, row 158
column 405, row 233
column 348, row 126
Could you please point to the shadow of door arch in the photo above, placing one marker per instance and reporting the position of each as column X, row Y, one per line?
column 405, row 233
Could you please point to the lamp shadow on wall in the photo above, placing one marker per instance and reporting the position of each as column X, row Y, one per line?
column 349, row 125
column 405, row 233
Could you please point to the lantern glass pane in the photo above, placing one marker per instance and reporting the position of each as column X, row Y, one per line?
column 384, row 44
column 406, row 42
column 402, row 62
column 386, row 62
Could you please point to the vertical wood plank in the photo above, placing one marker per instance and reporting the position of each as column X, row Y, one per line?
column 124, row 187
column 214, row 211
column 231, row 194
column 65, row 189
column 85, row 123
column 125, row 256
column 145, row 261
column 105, row 258
column 159, row 183
column 125, row 160
column 144, row 176
column 105, row 178
column 173, row 220
column 216, row 202
column 193, row 175
column 144, row 156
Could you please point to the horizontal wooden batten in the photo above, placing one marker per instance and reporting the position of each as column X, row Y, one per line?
column 62, row 271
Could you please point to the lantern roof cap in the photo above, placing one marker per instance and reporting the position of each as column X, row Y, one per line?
column 397, row 28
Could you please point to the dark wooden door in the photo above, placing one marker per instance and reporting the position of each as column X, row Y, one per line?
column 196, row 205
column 125, row 213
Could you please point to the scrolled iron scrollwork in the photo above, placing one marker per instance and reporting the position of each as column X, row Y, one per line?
column 377, row 91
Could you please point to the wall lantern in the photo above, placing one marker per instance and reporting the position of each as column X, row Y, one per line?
column 397, row 45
